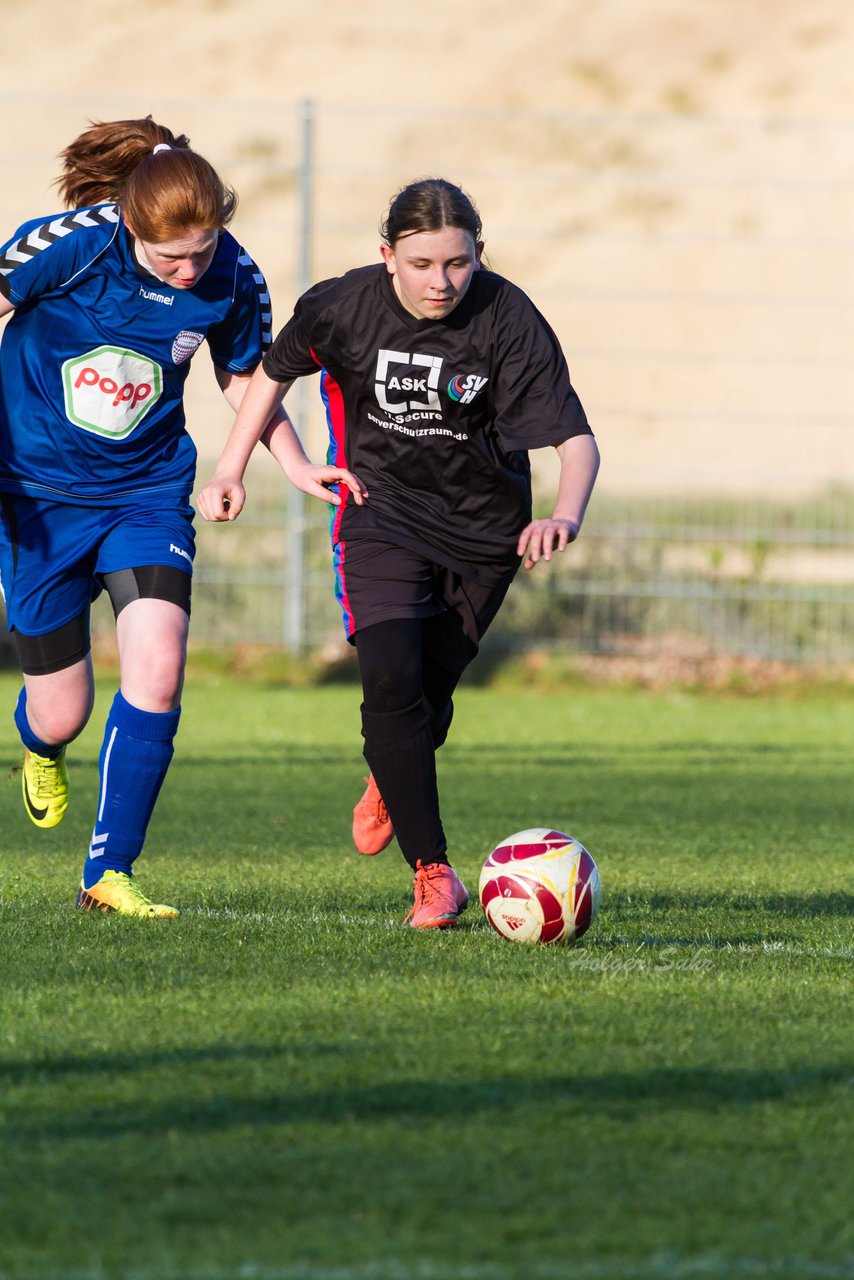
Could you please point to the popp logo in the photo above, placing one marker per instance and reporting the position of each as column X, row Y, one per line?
column 109, row 390
column 89, row 377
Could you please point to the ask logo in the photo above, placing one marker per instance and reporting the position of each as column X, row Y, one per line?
column 406, row 383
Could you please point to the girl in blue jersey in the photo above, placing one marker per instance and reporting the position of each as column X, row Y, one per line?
column 438, row 376
column 107, row 305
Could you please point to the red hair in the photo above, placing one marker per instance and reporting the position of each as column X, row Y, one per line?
column 161, row 194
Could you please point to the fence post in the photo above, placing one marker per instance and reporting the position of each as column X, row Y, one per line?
column 293, row 622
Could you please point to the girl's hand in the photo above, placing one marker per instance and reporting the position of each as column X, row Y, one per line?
column 314, row 479
column 221, row 499
column 539, row 539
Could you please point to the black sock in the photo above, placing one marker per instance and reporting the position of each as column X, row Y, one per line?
column 401, row 756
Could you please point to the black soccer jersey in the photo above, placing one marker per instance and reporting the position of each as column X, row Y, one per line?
column 434, row 416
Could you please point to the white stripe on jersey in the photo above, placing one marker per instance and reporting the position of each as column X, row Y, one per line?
column 108, row 213
column 263, row 296
column 42, row 237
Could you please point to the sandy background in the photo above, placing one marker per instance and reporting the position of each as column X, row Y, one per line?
column 673, row 182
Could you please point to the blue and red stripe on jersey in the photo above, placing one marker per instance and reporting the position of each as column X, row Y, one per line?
column 336, row 456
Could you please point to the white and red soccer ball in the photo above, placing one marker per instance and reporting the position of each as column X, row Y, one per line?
column 540, row 886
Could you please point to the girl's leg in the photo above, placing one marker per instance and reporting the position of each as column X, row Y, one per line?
column 399, row 745
column 447, row 651
column 53, row 706
column 53, row 709
column 141, row 725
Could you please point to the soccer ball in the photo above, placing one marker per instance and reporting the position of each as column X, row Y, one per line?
column 540, row 886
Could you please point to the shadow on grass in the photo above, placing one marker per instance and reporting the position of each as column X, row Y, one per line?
column 125, row 1063
column 791, row 905
column 701, row 1089
column 719, row 921
column 284, row 755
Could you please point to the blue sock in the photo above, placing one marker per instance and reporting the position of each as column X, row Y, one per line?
column 49, row 749
column 135, row 756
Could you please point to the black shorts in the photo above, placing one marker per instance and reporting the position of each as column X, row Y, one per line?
column 378, row 581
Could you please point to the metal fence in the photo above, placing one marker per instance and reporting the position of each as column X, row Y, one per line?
column 699, row 273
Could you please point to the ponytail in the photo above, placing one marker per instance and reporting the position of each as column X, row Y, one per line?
column 161, row 185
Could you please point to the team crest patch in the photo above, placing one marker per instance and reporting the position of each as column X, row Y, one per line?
column 465, row 386
column 186, row 344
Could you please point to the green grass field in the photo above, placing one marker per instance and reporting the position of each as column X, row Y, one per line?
column 287, row 1085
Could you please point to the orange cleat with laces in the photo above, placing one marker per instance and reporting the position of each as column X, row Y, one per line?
column 440, row 897
column 372, row 829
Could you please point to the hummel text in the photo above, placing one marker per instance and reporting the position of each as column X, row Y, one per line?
column 155, row 297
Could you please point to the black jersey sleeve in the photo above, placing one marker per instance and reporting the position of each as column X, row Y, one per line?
column 292, row 354
column 535, row 403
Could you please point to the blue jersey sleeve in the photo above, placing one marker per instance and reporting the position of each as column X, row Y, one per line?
column 44, row 256
column 238, row 342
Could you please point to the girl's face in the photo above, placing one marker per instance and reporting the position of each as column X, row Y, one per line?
column 183, row 261
column 431, row 270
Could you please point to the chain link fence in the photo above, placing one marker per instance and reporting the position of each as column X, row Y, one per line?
column 699, row 274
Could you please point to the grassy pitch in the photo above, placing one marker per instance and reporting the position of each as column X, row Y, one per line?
column 285, row 1084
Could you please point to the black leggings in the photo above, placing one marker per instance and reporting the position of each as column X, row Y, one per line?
column 66, row 645
column 410, row 668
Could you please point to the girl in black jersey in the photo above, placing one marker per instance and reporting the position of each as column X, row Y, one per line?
column 438, row 377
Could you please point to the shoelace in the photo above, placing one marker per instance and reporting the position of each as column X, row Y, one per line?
column 380, row 811
column 131, row 886
column 45, row 771
column 426, row 891
column 424, row 879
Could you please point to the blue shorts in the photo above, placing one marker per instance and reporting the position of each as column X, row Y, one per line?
column 53, row 554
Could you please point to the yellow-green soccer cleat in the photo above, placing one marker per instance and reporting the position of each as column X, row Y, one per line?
column 44, row 783
column 118, row 892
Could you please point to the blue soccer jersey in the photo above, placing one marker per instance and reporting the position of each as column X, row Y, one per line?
column 94, row 358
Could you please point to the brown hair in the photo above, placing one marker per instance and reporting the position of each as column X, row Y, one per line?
column 430, row 205
column 161, row 194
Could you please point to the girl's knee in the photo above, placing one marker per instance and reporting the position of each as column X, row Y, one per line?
column 156, row 686
column 58, row 721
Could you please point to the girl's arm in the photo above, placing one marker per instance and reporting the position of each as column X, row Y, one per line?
column 257, row 400
column 579, row 464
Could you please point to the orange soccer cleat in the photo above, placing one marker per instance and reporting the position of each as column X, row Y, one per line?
column 440, row 897
column 372, row 829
